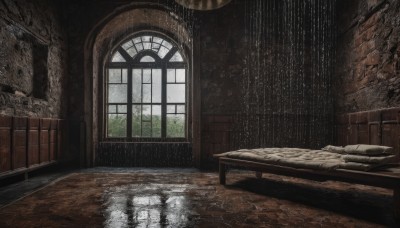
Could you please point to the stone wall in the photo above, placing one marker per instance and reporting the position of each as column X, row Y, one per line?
column 32, row 59
column 368, row 55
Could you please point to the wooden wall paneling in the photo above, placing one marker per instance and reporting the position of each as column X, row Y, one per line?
column 362, row 128
column 33, row 142
column 374, row 127
column 390, row 128
column 60, row 135
column 341, row 130
column 353, row 129
column 5, row 143
column 44, row 140
column 53, row 139
column 20, row 125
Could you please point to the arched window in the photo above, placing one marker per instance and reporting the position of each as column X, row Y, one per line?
column 146, row 90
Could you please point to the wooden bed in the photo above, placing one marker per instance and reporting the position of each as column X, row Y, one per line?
column 385, row 178
column 375, row 127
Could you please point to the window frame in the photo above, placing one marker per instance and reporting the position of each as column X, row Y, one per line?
column 134, row 62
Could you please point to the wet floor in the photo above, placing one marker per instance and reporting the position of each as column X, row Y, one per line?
column 187, row 198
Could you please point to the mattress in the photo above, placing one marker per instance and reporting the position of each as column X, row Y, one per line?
column 298, row 158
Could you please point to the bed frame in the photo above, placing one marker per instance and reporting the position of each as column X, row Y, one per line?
column 388, row 178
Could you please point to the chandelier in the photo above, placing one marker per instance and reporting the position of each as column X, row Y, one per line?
column 203, row 4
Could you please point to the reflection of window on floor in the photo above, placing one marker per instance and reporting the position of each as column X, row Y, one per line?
column 159, row 206
column 154, row 210
column 146, row 87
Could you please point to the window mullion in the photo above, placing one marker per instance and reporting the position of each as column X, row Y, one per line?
column 141, row 107
column 164, row 102
column 130, row 92
column 151, row 101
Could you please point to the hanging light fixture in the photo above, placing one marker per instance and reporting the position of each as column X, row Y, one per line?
column 203, row 4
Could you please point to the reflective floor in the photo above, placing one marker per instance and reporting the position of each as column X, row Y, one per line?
column 187, row 198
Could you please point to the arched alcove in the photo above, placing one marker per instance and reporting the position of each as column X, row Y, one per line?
column 107, row 34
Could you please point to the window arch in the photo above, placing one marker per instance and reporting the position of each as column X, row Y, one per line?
column 146, row 90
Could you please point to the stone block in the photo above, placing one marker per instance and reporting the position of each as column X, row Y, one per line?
column 373, row 58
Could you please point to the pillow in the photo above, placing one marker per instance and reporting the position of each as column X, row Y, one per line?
column 334, row 149
column 363, row 149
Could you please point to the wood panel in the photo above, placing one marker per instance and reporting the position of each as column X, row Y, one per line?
column 60, row 135
column 33, row 142
column 53, row 139
column 27, row 144
column 44, row 140
column 5, row 143
column 20, row 125
column 375, row 127
column 341, row 129
column 362, row 128
column 353, row 129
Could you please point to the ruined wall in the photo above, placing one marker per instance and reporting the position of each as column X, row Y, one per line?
column 368, row 55
column 32, row 59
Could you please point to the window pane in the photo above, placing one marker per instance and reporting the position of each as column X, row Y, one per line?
column 117, row 57
column 175, row 126
column 136, row 120
column 163, row 52
column 139, row 46
column 157, row 40
column 157, row 81
column 122, row 109
column 146, row 113
column 156, row 121
column 146, row 93
column 146, row 129
column 146, row 38
column 146, row 76
column 137, row 85
column 167, row 44
column 112, row 109
column 156, row 46
column 171, row 75
column 117, row 93
column 137, row 40
column 147, row 59
column 180, row 109
column 147, row 46
column 176, row 93
column 114, row 75
column 180, row 75
column 116, row 125
column 124, row 76
column 131, row 51
column 127, row 45
column 177, row 57
column 171, row 109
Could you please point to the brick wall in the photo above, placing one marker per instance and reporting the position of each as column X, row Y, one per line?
column 368, row 54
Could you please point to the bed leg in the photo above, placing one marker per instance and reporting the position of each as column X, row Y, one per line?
column 259, row 175
column 396, row 204
column 222, row 173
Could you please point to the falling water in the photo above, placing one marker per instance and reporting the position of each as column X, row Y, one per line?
column 287, row 74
